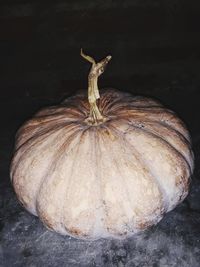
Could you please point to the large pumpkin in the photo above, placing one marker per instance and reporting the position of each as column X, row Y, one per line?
column 111, row 169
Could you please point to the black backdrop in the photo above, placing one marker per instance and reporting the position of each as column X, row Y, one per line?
column 153, row 44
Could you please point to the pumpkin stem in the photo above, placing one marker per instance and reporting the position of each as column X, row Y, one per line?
column 95, row 117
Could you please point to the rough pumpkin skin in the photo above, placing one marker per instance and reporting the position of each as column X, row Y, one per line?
column 112, row 179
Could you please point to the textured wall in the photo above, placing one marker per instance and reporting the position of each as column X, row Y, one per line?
column 154, row 44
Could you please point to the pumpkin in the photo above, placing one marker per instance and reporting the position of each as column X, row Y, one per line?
column 108, row 166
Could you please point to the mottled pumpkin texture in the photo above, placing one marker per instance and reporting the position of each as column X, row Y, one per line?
column 108, row 180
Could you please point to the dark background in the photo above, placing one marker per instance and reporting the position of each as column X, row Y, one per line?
column 155, row 46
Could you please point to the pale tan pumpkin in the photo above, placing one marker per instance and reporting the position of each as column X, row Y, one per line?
column 98, row 171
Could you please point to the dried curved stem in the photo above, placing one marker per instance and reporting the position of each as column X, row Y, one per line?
column 95, row 117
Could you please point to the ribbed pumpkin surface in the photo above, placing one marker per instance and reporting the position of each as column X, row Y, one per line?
column 112, row 179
